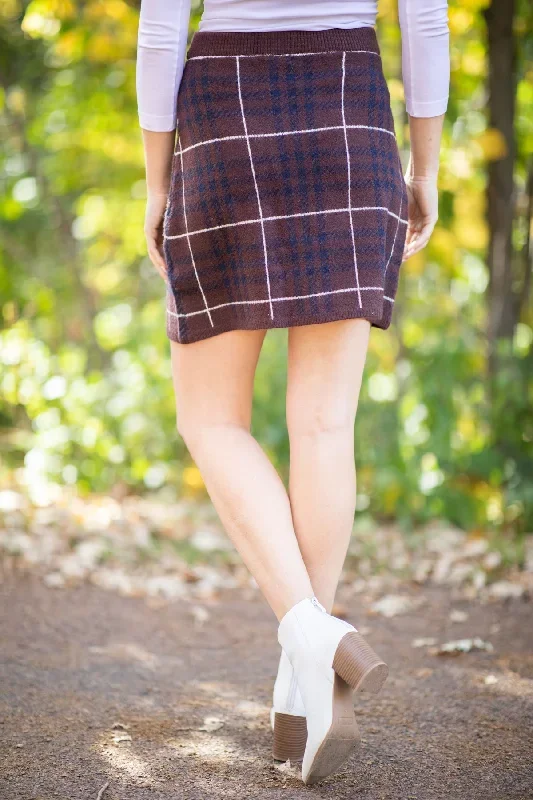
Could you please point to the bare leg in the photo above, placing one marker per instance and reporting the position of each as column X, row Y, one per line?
column 213, row 384
column 326, row 364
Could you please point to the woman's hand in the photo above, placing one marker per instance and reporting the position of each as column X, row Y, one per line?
column 153, row 230
column 421, row 181
column 423, row 212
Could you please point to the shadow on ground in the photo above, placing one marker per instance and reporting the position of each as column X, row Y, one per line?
column 98, row 688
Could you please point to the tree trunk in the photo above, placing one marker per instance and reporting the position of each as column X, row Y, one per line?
column 501, row 189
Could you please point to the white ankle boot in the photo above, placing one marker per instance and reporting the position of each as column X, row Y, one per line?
column 330, row 660
column 287, row 715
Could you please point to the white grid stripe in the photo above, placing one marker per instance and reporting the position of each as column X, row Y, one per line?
column 395, row 233
column 393, row 242
column 286, row 55
column 189, row 242
column 288, row 216
column 282, row 299
column 285, row 133
column 256, row 186
column 349, row 179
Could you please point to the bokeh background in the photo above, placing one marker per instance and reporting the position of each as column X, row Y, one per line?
column 445, row 425
column 138, row 656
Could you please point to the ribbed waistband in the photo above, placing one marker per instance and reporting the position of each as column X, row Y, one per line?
column 248, row 43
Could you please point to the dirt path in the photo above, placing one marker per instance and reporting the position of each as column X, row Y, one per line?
column 82, row 669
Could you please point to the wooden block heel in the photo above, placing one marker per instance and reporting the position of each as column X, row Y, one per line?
column 290, row 737
column 358, row 664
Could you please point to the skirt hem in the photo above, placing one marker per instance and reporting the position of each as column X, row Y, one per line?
column 377, row 320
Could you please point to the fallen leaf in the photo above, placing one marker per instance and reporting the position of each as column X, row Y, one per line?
column 475, row 547
column 501, row 590
column 121, row 736
column 443, row 567
column 479, row 579
column 393, row 604
column 127, row 651
column 424, row 672
column 200, row 615
column 492, row 560
column 428, row 642
column 168, row 586
column 462, row 646
column 54, row 580
column 443, row 538
column 422, row 570
column 458, row 616
column 211, row 724
column 461, row 573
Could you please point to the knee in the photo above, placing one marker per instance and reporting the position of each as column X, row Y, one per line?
column 329, row 410
column 320, row 422
column 197, row 431
column 192, row 429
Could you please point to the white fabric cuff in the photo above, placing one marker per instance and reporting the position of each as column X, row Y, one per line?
column 434, row 108
column 152, row 122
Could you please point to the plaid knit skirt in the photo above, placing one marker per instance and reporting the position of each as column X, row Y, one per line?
column 287, row 203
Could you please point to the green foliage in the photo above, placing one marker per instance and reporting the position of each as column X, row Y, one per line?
column 86, row 391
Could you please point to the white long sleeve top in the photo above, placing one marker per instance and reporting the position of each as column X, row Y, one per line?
column 164, row 25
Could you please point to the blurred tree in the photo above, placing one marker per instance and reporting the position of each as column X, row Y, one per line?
column 509, row 216
column 509, row 276
column 502, row 316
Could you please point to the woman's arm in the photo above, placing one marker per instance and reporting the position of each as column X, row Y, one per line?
column 158, row 150
column 421, row 181
column 161, row 51
column 426, row 78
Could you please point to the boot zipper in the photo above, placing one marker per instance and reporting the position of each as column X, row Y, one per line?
column 321, row 608
column 318, row 605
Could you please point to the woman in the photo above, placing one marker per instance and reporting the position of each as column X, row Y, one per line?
column 284, row 205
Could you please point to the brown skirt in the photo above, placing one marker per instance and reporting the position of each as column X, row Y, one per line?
column 287, row 203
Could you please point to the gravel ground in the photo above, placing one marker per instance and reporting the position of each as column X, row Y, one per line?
column 164, row 701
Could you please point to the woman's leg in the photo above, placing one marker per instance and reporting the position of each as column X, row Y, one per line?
column 213, row 385
column 326, row 364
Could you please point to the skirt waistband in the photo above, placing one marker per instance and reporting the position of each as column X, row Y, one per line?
column 250, row 43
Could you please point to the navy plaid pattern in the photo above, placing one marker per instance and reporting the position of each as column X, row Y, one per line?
column 287, row 203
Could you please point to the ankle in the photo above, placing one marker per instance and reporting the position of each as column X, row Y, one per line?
column 283, row 608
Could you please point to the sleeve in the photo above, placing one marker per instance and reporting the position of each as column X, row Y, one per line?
column 425, row 56
column 161, row 52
